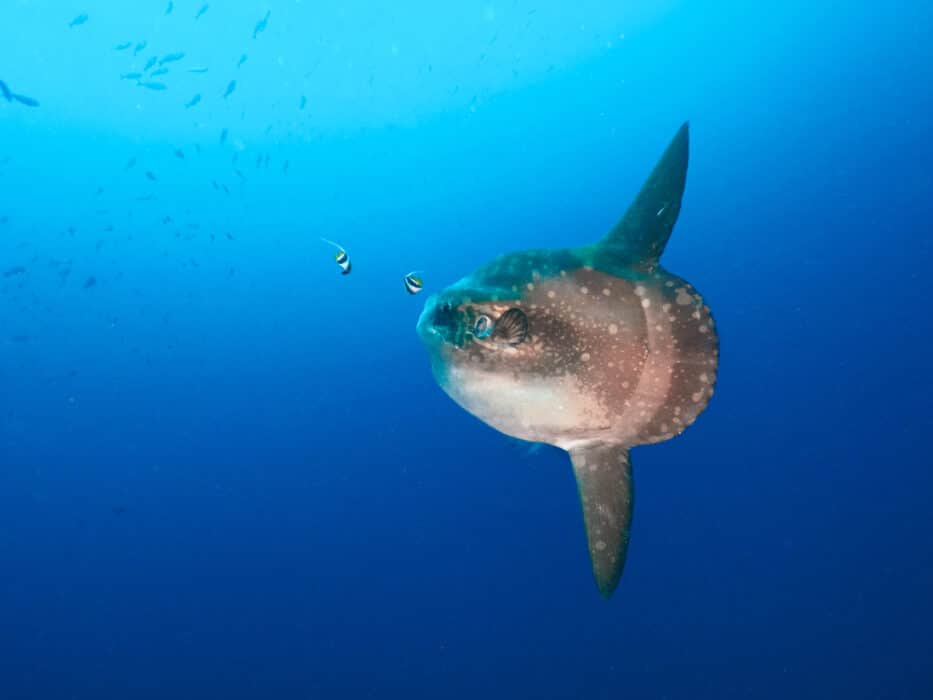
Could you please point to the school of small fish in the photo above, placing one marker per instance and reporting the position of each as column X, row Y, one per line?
column 157, row 66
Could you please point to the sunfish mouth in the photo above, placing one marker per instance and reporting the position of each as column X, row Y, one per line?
column 438, row 322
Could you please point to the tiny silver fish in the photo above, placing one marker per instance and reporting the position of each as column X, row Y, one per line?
column 262, row 24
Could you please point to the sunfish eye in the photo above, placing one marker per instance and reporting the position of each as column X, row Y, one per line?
column 483, row 327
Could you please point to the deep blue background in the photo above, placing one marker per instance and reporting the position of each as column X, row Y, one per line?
column 225, row 470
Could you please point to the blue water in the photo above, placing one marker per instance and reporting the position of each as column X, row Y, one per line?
column 225, row 469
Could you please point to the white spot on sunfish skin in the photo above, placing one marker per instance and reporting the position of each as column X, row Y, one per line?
column 600, row 545
column 613, row 329
column 584, row 290
column 551, row 294
column 683, row 297
column 585, row 357
column 530, row 287
column 606, row 292
column 646, row 303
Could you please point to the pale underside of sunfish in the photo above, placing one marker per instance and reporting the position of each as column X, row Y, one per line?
column 594, row 350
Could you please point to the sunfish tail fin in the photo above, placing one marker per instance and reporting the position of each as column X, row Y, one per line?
column 639, row 238
column 604, row 481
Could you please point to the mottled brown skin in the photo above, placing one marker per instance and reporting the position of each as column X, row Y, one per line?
column 618, row 352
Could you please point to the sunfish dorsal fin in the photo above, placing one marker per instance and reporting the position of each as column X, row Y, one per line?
column 604, row 481
column 639, row 238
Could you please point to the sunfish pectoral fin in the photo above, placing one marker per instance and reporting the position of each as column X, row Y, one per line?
column 604, row 481
column 639, row 238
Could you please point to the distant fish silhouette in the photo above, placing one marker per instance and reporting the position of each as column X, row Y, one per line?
column 10, row 96
column 303, row 103
column 171, row 6
column 140, row 47
column 130, row 163
column 241, row 61
column 78, row 21
column 90, row 282
column 150, row 63
column 123, row 47
column 262, row 24
column 193, row 101
column 231, row 86
column 151, row 176
column 171, row 58
column 15, row 271
column 159, row 71
column 223, row 135
column 131, row 76
column 204, row 8
column 153, row 86
column 179, row 153
column 199, row 69
column 28, row 101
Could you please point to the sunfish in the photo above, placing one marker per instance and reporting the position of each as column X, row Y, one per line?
column 595, row 350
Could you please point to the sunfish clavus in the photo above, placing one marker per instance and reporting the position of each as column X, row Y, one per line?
column 594, row 350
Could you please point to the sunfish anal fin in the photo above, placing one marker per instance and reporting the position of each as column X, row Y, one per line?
column 604, row 481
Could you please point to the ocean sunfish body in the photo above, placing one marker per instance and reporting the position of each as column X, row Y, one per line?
column 594, row 350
